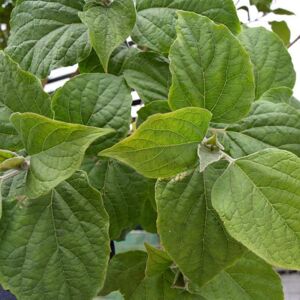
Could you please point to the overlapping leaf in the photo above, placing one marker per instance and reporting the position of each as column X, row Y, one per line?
column 128, row 196
column 268, row 125
column 56, row 149
column 155, row 28
column 258, row 199
column 98, row 100
column 272, row 63
column 164, row 145
column 210, row 69
column 20, row 92
column 190, row 229
column 109, row 25
column 56, row 246
column 47, row 34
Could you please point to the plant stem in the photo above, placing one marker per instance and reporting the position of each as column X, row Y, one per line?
column 294, row 41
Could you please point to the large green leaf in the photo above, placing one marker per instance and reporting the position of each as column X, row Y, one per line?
column 272, row 63
column 109, row 25
column 250, row 278
column 56, row 149
column 128, row 196
column 268, row 125
column 190, row 229
column 47, row 34
column 152, row 80
column 20, row 92
column 258, row 199
column 210, row 69
column 165, row 144
column 98, row 100
column 125, row 272
column 57, row 246
column 156, row 19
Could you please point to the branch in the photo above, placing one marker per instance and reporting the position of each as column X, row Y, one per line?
column 294, row 41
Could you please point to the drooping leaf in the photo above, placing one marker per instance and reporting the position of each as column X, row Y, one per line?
column 47, row 34
column 98, row 100
column 258, row 199
column 165, row 144
column 115, row 65
column 125, row 272
column 56, row 149
column 20, row 92
column 190, row 229
column 154, row 107
column 109, row 25
column 158, row 261
column 268, row 125
column 56, row 246
column 148, row 73
column 250, row 278
column 155, row 27
column 128, row 196
column 272, row 63
column 210, row 69
column 282, row 30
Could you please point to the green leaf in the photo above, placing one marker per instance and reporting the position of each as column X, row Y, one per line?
column 155, row 27
column 152, row 81
column 272, row 63
column 98, row 100
column 190, row 230
column 128, row 196
column 282, row 30
column 111, row 296
column 164, row 145
column 154, row 107
column 125, row 272
column 268, row 125
column 281, row 11
column 56, row 149
column 20, row 92
column 47, row 34
column 109, row 26
column 115, row 65
column 12, row 163
column 250, row 278
column 57, row 246
column 277, row 95
column 5, row 154
column 210, row 69
column 258, row 199
column 158, row 261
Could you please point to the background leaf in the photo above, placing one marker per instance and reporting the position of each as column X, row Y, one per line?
column 282, row 30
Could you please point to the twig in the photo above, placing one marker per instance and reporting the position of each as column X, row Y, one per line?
column 294, row 41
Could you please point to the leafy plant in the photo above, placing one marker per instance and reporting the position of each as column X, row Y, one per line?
column 211, row 165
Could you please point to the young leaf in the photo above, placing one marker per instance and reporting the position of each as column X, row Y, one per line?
column 12, row 163
column 5, row 154
column 57, row 246
column 154, row 107
column 189, row 228
column 158, row 261
column 47, row 34
column 56, row 149
column 109, row 25
column 155, row 27
column 210, row 69
column 272, row 63
column 20, row 92
column 268, row 125
column 152, row 80
column 98, row 100
column 282, row 30
column 128, row 196
column 164, row 145
column 250, row 278
column 122, row 268
column 258, row 199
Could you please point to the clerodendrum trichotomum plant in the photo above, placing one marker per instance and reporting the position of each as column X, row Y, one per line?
column 211, row 165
